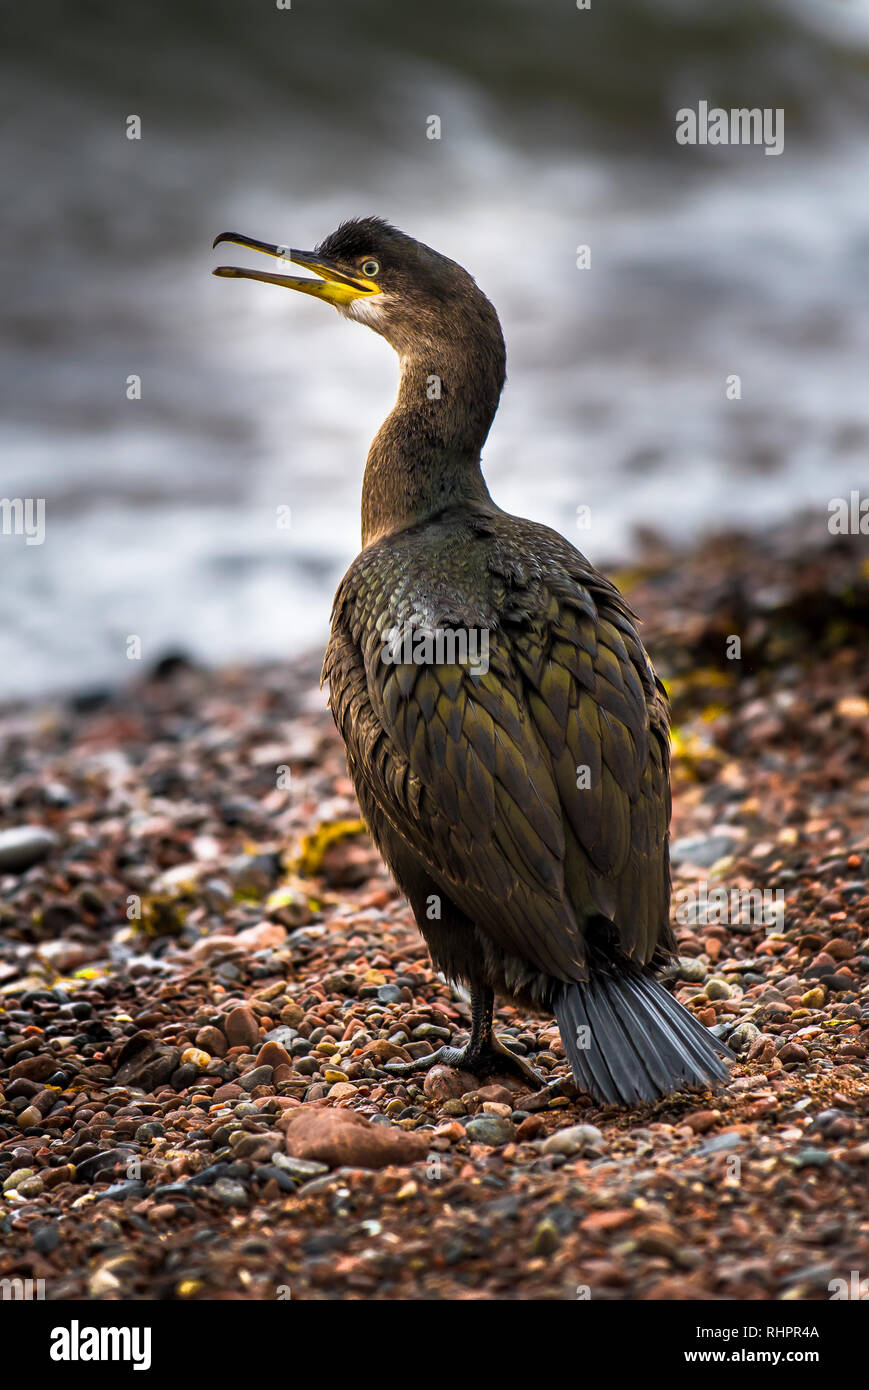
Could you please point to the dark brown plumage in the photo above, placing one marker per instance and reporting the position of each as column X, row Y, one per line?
column 522, row 803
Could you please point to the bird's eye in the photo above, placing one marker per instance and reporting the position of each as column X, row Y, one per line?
column 370, row 268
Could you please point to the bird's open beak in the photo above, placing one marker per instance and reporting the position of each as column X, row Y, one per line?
column 333, row 284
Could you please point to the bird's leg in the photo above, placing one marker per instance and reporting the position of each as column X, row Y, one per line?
column 483, row 1055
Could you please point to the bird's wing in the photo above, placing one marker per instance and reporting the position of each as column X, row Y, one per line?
column 603, row 719
column 532, row 791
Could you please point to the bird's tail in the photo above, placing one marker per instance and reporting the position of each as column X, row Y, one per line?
column 628, row 1040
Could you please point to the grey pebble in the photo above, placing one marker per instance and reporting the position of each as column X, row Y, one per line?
column 260, row 1076
column 230, row 1193
column 493, row 1130
column 22, row 846
column 573, row 1140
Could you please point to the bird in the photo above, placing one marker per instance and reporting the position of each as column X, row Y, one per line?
column 505, row 730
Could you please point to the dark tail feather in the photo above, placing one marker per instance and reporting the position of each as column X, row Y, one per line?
column 641, row 1042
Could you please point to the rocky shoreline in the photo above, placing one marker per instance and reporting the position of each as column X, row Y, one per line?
column 204, row 969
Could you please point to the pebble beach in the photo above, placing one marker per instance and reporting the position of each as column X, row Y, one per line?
column 204, row 969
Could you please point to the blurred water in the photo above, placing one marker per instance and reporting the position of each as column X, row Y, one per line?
column 557, row 130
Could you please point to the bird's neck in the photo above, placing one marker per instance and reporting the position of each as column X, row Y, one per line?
column 426, row 454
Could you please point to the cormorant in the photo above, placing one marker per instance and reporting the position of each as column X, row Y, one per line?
column 506, row 733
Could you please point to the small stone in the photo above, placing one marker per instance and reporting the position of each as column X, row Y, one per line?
column 18, row 1176
column 493, row 1130
column 259, row 1076
column 29, row 1117
column 840, row 949
column 55, row 1177
column 659, row 1239
column 343, row 1137
column 212, row 1041
column 546, row 1238
column 689, row 968
column 703, row 1120
column 702, row 850
column 272, row 1054
column 91, row 1168
column 576, row 1139
column 388, row 994
column 31, row 1187
column 32, row 1069
column 811, row 1158
column 455, row 1106
column 262, row 937
column 241, row 1028
column 447, row 1083
column 814, row 998
column 230, row 1091
column 230, row 1193
column 150, row 1130
column 499, row 1094
column 283, row 1037
column 793, row 1052
column 530, row 1128
column 742, row 1037
column 302, row 1169
column 22, row 846
column 194, row 1056
column 717, row 989
column 145, row 1062
column 46, row 1239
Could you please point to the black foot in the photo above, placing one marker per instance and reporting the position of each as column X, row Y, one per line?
column 490, row 1058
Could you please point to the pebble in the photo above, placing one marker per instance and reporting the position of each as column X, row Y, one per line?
column 241, row 1027
column 546, row 1238
column 576, row 1139
column 106, row 1159
column 689, row 968
column 811, row 1158
column 814, row 998
column 388, row 994
column 30, row 1187
column 18, row 1176
column 343, row 1137
column 46, row 1238
column 301, row 1168
column 717, row 989
column 22, row 846
column 446, row 1083
column 230, row 1193
column 259, row 1076
column 212, row 1041
column 194, row 1056
column 493, row 1130
column 702, row 1120
column 702, row 850
column 274, row 1049
column 743, row 1036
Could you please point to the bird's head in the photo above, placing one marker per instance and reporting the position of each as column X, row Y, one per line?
column 373, row 273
